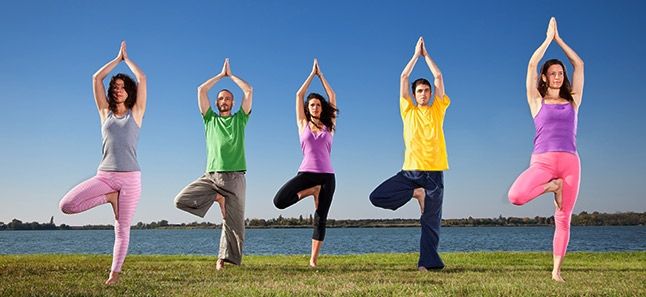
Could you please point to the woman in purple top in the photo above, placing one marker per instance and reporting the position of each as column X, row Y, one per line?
column 316, row 123
column 554, row 166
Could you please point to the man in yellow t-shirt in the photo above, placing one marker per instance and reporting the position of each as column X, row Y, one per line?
column 425, row 157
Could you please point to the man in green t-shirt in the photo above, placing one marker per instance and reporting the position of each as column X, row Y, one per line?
column 224, row 180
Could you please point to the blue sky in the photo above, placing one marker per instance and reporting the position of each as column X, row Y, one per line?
column 50, row 133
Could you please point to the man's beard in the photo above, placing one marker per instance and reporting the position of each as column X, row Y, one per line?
column 223, row 108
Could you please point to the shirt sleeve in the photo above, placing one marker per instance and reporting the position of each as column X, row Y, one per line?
column 405, row 106
column 208, row 115
column 441, row 103
column 244, row 117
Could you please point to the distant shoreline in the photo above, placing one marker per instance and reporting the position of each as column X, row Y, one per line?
column 581, row 219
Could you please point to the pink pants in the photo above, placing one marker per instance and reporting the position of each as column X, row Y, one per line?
column 92, row 193
column 530, row 184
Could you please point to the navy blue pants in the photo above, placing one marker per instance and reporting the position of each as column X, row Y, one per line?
column 398, row 190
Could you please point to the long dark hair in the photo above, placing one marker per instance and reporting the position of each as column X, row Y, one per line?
column 131, row 88
column 328, row 112
column 566, row 88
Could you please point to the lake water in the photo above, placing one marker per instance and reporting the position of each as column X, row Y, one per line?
column 337, row 241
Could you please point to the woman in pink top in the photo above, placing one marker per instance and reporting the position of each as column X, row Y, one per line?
column 316, row 124
column 554, row 166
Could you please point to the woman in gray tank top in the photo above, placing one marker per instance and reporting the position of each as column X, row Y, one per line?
column 118, row 178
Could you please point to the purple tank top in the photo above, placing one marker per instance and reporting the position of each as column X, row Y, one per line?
column 316, row 151
column 555, row 128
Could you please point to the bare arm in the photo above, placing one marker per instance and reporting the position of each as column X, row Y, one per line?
column 531, row 82
column 247, row 90
column 301, row 120
column 139, row 108
column 202, row 91
column 437, row 74
column 404, row 82
column 577, row 63
column 326, row 85
column 98, row 88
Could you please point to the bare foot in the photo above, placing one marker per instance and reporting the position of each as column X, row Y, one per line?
column 219, row 265
column 556, row 186
column 113, row 199
column 422, row 269
column 420, row 195
column 313, row 191
column 220, row 200
column 312, row 263
column 113, row 279
column 556, row 276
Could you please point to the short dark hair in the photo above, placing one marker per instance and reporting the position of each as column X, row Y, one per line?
column 129, row 85
column 226, row 90
column 421, row 81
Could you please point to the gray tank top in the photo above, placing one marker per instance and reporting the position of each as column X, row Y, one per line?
column 120, row 137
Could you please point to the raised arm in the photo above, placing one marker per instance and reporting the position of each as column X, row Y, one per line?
column 202, row 91
column 531, row 82
column 326, row 85
column 247, row 90
column 301, row 120
column 437, row 74
column 577, row 63
column 98, row 88
column 404, row 82
column 139, row 108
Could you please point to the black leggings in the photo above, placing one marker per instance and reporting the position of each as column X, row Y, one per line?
column 288, row 196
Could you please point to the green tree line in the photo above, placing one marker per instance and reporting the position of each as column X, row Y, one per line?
column 581, row 219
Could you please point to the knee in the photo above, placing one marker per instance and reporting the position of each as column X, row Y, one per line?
column 178, row 202
column 515, row 197
column 66, row 207
column 280, row 203
column 374, row 198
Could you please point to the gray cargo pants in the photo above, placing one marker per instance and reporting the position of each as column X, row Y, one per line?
column 198, row 197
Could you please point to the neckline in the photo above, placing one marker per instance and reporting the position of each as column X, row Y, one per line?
column 314, row 134
column 543, row 103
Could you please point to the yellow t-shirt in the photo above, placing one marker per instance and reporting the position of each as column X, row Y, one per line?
column 424, row 135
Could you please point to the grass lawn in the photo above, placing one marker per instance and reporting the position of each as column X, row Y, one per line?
column 466, row 274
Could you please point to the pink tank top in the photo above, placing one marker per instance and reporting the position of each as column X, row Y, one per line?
column 555, row 128
column 316, row 151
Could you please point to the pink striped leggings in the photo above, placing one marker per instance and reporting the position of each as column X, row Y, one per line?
column 530, row 184
column 92, row 193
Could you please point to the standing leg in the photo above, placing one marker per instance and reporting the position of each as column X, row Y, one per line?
column 562, row 217
column 320, row 216
column 431, row 220
column 129, row 194
column 232, row 185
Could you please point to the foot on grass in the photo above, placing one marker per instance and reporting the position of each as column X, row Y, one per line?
column 556, row 276
column 113, row 279
column 219, row 265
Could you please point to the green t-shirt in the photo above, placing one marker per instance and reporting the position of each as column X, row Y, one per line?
column 225, row 141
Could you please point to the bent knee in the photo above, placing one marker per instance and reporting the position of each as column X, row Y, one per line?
column 66, row 208
column 515, row 198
